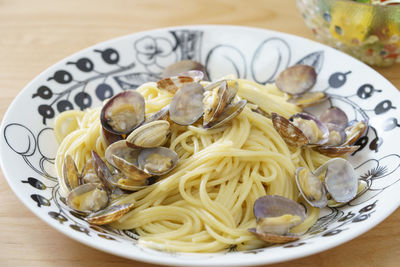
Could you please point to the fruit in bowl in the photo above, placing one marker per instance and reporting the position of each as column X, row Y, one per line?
column 366, row 29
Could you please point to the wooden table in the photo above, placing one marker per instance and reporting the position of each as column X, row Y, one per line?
column 36, row 34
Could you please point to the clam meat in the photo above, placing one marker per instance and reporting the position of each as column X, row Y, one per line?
column 311, row 187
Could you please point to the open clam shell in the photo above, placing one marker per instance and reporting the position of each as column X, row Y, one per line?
column 297, row 79
column 125, row 159
column 311, row 188
column 336, row 151
column 229, row 113
column 71, row 175
column 88, row 198
column 123, row 112
column 354, row 132
column 119, row 180
column 290, row 134
column 275, row 216
column 180, row 67
column 157, row 161
column 152, row 134
column 274, row 239
column 110, row 137
column 109, row 214
column 217, row 97
column 186, row 106
column 308, row 99
column 315, row 131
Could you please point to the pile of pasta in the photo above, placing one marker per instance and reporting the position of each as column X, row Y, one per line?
column 206, row 203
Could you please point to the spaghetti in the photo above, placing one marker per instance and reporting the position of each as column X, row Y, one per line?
column 206, row 203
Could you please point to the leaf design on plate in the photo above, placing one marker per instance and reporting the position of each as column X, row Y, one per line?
column 58, row 216
column 134, row 80
column 315, row 59
column 41, row 201
column 35, row 183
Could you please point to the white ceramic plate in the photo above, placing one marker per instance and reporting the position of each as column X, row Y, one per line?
column 27, row 145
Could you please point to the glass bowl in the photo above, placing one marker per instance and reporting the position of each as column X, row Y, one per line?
column 368, row 32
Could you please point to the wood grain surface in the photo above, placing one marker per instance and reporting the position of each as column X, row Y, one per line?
column 36, row 34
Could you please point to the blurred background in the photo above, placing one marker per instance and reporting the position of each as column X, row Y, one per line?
column 36, row 34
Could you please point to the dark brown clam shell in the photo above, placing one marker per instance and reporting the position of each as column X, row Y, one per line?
column 274, row 239
column 70, row 173
column 336, row 151
column 109, row 214
column 308, row 99
column 320, row 125
column 290, row 134
column 297, row 79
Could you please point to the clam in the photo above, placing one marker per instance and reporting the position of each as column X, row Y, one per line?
column 70, row 173
column 125, row 159
column 157, row 161
column 102, row 172
column 275, row 216
column 119, row 180
column 152, row 134
column 354, row 132
column 123, row 112
column 88, row 198
column 186, row 106
column 229, row 113
column 216, row 97
column 311, row 187
column 340, row 180
column 110, row 137
column 180, row 67
column 303, row 129
column 308, row 99
column 297, row 79
column 334, row 118
column 109, row 214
